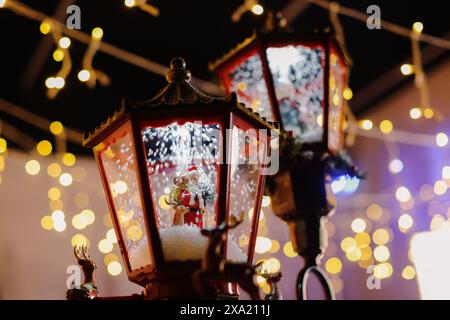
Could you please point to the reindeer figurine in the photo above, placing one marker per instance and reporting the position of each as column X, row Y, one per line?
column 216, row 269
column 88, row 290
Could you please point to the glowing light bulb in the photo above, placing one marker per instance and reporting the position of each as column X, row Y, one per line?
column 130, row 3
column 395, row 166
column 441, row 139
column 386, row 126
column 45, row 27
column 366, row 124
column 84, row 75
column 64, row 42
column 58, row 55
column 407, row 69
column 418, row 27
column 415, row 113
column 56, row 128
column 257, row 9
column 97, row 33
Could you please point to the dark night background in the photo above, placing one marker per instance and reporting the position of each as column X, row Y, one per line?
column 199, row 31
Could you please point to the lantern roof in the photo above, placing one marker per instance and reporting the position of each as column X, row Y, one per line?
column 283, row 35
column 178, row 92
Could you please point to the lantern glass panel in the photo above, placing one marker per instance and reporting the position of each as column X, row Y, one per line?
column 337, row 85
column 298, row 73
column 119, row 163
column 244, row 183
column 183, row 162
column 247, row 80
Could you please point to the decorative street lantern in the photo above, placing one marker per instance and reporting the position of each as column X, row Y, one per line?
column 295, row 79
column 298, row 80
column 175, row 167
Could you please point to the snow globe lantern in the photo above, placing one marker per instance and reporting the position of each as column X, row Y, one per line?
column 174, row 165
column 295, row 79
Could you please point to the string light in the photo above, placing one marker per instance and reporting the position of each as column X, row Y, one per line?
column 58, row 55
column 84, row 75
column 97, row 33
column 415, row 113
column 347, row 94
column 130, row 3
column 418, row 27
column 64, row 42
column 386, row 126
column 69, row 159
column 366, row 124
column 395, row 166
column 54, row 193
column 65, row 179
column 45, row 27
column 428, row 113
column 407, row 69
column 56, row 128
column 257, row 9
column 441, row 139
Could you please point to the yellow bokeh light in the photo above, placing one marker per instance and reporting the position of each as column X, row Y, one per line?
column 288, row 250
column 362, row 239
column 79, row 222
column 374, row 211
column 333, row 265
column 97, row 33
column 58, row 55
column 105, row 246
column 383, row 270
column 403, row 194
column 45, row 27
column 366, row 124
column 54, row 193
column 347, row 94
column 405, row 222
column 88, row 215
column 47, row 223
column 266, row 201
column 257, row 9
column 111, row 235
column 381, row 253
column 64, row 42
column 56, row 128
column 428, row 113
column 437, row 222
column 58, row 215
column 409, row 273
column 69, row 159
column 110, row 257
column 54, row 170
column 407, row 69
column 415, row 113
column 347, row 244
column 84, row 75
column 381, row 236
column 386, row 126
column 319, row 120
column 114, row 268
column 366, row 253
column 79, row 240
column 275, row 247
column 441, row 139
column 44, row 148
column 59, row 82
column 262, row 245
column 358, row 225
column 163, row 202
column 271, row 265
column 120, row 187
column 260, row 281
column 353, row 254
column 32, row 167
column 3, row 145
column 65, row 179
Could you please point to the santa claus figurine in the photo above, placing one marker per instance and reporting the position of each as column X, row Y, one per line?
column 186, row 199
